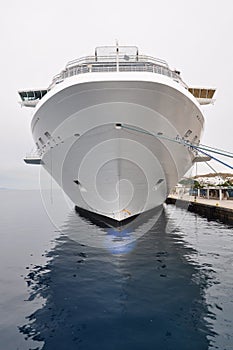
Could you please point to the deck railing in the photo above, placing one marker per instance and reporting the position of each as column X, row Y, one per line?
column 96, row 64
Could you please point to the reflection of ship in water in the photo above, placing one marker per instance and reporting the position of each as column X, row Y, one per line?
column 151, row 297
column 106, row 234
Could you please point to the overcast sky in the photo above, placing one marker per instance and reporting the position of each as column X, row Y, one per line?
column 39, row 37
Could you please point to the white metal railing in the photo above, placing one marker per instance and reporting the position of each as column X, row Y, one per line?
column 123, row 63
column 33, row 155
column 112, row 58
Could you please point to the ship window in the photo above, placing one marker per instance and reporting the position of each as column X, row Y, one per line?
column 41, row 141
column 23, row 95
column 118, row 126
column 38, row 94
column 32, row 94
column 155, row 187
column 159, row 181
column 195, row 139
column 188, row 133
column 47, row 134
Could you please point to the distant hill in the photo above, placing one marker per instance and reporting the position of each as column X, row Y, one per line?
column 7, row 189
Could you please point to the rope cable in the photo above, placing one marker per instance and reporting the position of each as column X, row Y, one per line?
column 214, row 148
column 211, row 168
column 188, row 144
column 208, row 155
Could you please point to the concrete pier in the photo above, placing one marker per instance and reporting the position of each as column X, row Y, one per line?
column 212, row 209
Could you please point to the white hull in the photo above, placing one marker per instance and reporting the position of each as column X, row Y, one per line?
column 116, row 172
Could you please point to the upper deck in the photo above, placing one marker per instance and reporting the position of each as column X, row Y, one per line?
column 114, row 59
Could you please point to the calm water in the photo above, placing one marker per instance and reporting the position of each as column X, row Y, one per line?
column 172, row 288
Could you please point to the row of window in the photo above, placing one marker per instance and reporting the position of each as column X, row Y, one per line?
column 41, row 143
column 32, row 95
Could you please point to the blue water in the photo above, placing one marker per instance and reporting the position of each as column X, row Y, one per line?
column 169, row 289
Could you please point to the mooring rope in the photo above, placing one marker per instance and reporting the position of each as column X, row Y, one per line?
column 215, row 171
column 212, row 157
column 200, row 148
column 216, row 149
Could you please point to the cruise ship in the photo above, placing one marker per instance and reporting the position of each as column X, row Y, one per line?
column 112, row 128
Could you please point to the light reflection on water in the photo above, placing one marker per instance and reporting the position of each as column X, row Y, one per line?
column 152, row 294
column 169, row 289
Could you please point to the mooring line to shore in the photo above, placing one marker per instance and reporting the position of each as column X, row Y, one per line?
column 181, row 141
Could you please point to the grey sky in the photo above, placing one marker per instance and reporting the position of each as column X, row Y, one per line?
column 38, row 38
